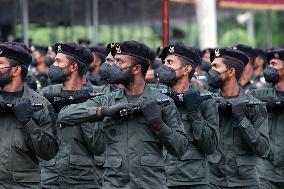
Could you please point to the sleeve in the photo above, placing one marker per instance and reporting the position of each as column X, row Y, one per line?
column 40, row 133
column 172, row 134
column 94, row 136
column 205, row 124
column 76, row 114
column 255, row 131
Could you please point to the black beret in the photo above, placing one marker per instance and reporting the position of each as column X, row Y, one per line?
column 109, row 47
column 16, row 52
column 41, row 49
column 207, row 50
column 232, row 54
column 260, row 52
column 133, row 48
column 100, row 52
column 275, row 54
column 249, row 51
column 19, row 44
column 183, row 51
column 79, row 52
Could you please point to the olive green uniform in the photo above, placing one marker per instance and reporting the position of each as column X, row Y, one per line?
column 134, row 157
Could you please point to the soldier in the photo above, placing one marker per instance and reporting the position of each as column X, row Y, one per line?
column 27, row 122
column 73, row 166
column 134, row 142
column 271, row 170
column 198, row 115
column 246, row 78
column 93, row 75
column 40, row 65
column 243, row 128
column 258, row 80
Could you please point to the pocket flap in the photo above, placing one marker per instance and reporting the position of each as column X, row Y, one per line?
column 80, row 160
column 49, row 163
column 111, row 121
column 99, row 160
column 26, row 177
column 245, row 160
column 213, row 158
column 152, row 160
column 192, row 154
column 113, row 161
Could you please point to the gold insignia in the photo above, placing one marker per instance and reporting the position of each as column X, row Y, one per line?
column 172, row 49
column 118, row 49
column 217, row 52
column 59, row 49
column 276, row 55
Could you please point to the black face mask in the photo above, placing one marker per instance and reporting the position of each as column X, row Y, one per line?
column 215, row 80
column 104, row 69
column 5, row 78
column 205, row 66
column 167, row 75
column 57, row 74
column 116, row 75
column 271, row 75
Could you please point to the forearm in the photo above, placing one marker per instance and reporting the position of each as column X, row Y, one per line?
column 78, row 113
column 205, row 137
column 42, row 143
column 257, row 142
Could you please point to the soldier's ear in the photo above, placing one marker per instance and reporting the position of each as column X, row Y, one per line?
column 17, row 70
column 136, row 69
column 187, row 69
column 74, row 67
column 232, row 72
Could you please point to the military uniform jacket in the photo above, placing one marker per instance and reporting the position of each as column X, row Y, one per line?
column 22, row 146
column 134, row 157
column 202, row 133
column 234, row 163
column 73, row 166
column 272, row 168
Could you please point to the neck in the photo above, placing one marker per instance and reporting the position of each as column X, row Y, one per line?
column 14, row 87
column 231, row 89
column 135, row 88
column 280, row 85
column 182, row 85
column 74, row 83
column 96, row 71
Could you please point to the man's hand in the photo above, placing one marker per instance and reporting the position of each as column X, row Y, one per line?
column 238, row 109
column 24, row 110
column 193, row 99
column 152, row 112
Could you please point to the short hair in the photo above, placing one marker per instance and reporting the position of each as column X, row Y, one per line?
column 144, row 64
column 236, row 65
column 187, row 62
column 24, row 69
column 82, row 68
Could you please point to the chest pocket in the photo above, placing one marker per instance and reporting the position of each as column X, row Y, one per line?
column 18, row 140
column 113, row 130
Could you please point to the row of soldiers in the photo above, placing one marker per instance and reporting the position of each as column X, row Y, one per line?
column 124, row 132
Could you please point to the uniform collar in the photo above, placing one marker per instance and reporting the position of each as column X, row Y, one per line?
column 121, row 93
